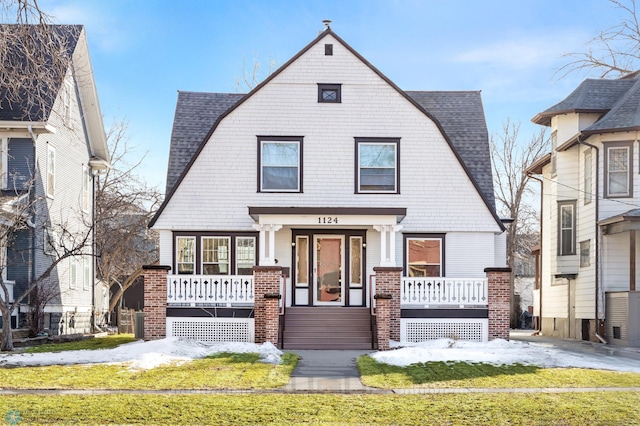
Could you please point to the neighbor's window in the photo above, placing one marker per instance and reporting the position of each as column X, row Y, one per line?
column 87, row 282
column 585, row 253
column 588, row 187
column 618, row 173
column 4, row 159
column 186, row 255
column 73, row 273
column 566, row 228
column 377, row 165
column 554, row 153
column 280, row 164
column 424, row 257
column 215, row 255
column 86, row 188
column 329, row 93
column 51, row 170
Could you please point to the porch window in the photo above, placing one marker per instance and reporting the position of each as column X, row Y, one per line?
column 245, row 255
column 280, row 160
column 424, row 257
column 377, row 165
column 618, row 170
column 215, row 256
column 566, row 228
column 186, row 255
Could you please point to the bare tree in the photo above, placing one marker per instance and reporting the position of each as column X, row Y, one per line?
column 124, row 206
column 614, row 52
column 35, row 58
column 509, row 160
column 252, row 77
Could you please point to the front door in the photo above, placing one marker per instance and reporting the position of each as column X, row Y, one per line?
column 328, row 273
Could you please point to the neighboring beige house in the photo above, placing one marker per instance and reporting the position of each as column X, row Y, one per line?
column 328, row 170
column 590, row 214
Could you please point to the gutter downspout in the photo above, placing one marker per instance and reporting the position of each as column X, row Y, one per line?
column 598, row 237
column 539, row 327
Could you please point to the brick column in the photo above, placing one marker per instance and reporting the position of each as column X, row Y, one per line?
column 266, row 281
column 155, row 301
column 499, row 302
column 383, row 309
column 388, row 284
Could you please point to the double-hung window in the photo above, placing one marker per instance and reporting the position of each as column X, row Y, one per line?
column 566, row 228
column 618, row 169
column 377, row 165
column 51, row 170
column 424, row 255
column 280, row 164
column 215, row 255
column 245, row 255
column 186, row 255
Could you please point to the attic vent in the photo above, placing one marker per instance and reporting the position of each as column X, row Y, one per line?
column 328, row 49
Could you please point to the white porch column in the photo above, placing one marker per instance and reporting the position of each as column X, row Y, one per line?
column 387, row 232
column 267, row 232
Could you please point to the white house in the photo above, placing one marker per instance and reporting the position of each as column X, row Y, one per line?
column 327, row 171
column 50, row 152
column 589, row 253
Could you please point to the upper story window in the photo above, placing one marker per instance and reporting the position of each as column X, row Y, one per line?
column 330, row 93
column 566, row 228
column 377, row 165
column 280, row 164
column 618, row 171
column 51, row 170
column 424, row 255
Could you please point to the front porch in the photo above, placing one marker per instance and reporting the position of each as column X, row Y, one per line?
column 259, row 308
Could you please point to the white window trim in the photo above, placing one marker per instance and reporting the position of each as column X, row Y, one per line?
column 561, row 207
column 51, row 174
column 426, row 238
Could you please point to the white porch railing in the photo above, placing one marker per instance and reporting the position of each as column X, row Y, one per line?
column 195, row 290
column 426, row 291
column 9, row 285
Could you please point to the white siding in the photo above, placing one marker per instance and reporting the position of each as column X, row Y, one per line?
column 165, row 246
column 615, row 269
column 467, row 255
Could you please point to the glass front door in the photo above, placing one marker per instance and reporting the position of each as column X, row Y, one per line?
column 328, row 271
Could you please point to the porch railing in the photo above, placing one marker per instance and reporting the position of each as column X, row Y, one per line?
column 193, row 290
column 426, row 291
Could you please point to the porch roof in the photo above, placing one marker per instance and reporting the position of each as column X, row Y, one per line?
column 627, row 221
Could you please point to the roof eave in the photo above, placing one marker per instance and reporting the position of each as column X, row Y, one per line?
column 536, row 167
column 34, row 126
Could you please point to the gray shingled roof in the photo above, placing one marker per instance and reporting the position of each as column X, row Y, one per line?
column 196, row 112
column 624, row 114
column 66, row 36
column 460, row 113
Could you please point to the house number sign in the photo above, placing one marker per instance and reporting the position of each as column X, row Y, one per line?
column 327, row 220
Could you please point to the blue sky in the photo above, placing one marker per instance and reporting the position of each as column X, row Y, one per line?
column 144, row 51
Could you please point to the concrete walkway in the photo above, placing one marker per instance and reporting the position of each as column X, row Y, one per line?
column 332, row 371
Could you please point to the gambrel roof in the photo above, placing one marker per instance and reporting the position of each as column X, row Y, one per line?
column 617, row 100
column 459, row 115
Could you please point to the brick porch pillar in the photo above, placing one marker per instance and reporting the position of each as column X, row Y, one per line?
column 266, row 281
column 499, row 302
column 383, row 309
column 388, row 281
column 155, row 301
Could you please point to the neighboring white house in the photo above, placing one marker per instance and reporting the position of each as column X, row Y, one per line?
column 329, row 170
column 50, row 153
column 590, row 214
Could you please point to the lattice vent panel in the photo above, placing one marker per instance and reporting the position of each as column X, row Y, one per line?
column 459, row 329
column 212, row 330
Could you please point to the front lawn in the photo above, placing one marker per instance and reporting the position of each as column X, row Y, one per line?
column 465, row 375
column 576, row 409
column 94, row 343
column 218, row 371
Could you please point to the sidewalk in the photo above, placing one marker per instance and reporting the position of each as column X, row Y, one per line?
column 579, row 346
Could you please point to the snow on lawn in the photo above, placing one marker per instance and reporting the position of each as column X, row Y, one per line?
column 500, row 352
column 144, row 355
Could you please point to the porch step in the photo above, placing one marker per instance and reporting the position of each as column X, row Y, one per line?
column 327, row 328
